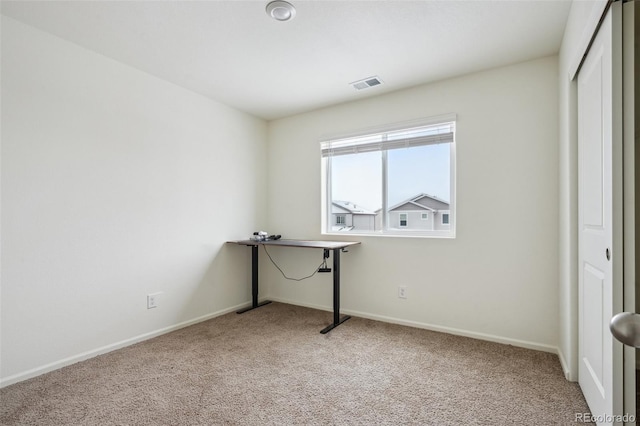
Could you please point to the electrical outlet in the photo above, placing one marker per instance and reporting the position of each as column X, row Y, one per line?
column 153, row 300
column 402, row 292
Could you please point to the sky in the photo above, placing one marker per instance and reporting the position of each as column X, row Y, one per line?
column 358, row 177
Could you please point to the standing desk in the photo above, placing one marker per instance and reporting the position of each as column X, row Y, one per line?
column 335, row 246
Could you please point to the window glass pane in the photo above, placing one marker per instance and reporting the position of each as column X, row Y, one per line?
column 418, row 179
column 419, row 170
column 356, row 191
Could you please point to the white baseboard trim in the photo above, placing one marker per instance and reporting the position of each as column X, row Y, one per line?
column 112, row 347
column 565, row 367
column 432, row 327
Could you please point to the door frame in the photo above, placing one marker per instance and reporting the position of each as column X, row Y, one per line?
column 631, row 157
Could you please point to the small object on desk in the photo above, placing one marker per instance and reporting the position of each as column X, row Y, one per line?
column 264, row 236
column 259, row 236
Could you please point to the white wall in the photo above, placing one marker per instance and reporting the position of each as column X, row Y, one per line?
column 497, row 279
column 581, row 24
column 115, row 184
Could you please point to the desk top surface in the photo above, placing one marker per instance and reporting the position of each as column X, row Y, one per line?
column 299, row 243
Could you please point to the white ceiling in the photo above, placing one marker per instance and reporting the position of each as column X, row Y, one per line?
column 233, row 52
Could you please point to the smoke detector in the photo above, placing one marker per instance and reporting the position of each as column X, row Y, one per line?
column 366, row 83
column 281, row 10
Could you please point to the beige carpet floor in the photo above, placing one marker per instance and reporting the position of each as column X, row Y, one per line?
column 271, row 366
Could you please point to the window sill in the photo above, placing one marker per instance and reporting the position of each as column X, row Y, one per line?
column 408, row 234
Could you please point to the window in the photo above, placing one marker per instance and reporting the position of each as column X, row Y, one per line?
column 403, row 220
column 386, row 178
column 445, row 218
column 341, row 220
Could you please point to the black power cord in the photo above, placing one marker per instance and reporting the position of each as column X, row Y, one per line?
column 323, row 264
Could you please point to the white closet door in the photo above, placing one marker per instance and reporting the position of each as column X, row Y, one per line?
column 598, row 292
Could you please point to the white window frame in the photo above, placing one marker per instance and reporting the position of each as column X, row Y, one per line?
column 343, row 217
column 424, row 216
column 363, row 145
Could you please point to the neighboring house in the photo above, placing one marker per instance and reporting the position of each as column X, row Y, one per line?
column 347, row 216
column 422, row 212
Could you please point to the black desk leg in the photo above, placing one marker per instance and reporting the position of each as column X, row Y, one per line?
column 254, row 282
column 336, row 294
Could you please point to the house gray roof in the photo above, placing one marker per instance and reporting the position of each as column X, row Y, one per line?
column 423, row 201
column 411, row 205
column 349, row 207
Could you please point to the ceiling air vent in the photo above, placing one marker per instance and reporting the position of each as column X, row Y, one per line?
column 366, row 83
